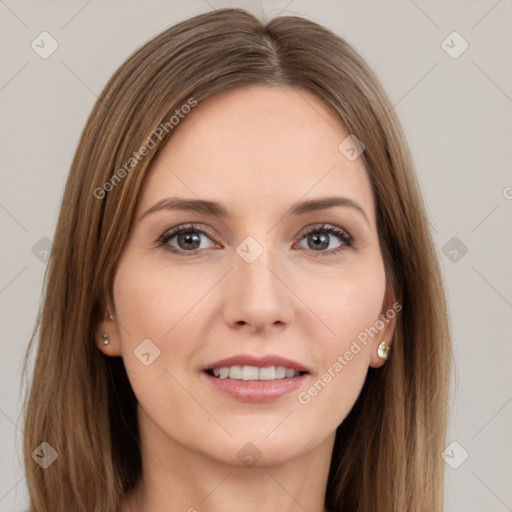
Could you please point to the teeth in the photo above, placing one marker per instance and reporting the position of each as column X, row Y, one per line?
column 267, row 373
column 254, row 373
column 249, row 373
column 280, row 372
column 235, row 372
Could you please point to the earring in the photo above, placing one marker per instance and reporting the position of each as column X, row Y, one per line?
column 383, row 350
column 106, row 341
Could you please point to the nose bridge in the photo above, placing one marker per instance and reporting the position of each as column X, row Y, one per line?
column 256, row 294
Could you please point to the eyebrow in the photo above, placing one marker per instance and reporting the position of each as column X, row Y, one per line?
column 214, row 208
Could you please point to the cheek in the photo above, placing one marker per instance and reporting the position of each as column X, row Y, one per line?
column 348, row 300
column 156, row 304
column 150, row 304
column 151, row 301
column 350, row 303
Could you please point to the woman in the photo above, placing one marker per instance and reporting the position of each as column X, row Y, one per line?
column 244, row 307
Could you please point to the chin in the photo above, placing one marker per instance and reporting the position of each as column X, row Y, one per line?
column 252, row 449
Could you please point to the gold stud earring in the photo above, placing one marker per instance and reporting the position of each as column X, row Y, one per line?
column 383, row 350
column 106, row 340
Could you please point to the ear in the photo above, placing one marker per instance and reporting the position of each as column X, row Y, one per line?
column 386, row 327
column 107, row 325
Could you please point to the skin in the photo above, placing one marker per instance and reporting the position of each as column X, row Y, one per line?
column 255, row 150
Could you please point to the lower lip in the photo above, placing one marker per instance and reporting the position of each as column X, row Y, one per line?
column 256, row 390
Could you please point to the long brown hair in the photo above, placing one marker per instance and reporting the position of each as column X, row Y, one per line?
column 387, row 452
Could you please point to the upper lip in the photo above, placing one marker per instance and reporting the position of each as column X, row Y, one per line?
column 259, row 361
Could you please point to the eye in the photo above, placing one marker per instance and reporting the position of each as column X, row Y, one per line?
column 189, row 240
column 321, row 237
column 185, row 239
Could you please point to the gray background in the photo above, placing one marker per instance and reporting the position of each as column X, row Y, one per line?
column 457, row 116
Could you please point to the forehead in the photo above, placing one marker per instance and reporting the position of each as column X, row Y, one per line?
column 258, row 145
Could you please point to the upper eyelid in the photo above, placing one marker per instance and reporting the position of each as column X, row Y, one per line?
column 172, row 232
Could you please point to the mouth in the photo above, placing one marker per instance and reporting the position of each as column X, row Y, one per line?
column 250, row 378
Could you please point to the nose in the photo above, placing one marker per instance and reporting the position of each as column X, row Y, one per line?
column 258, row 295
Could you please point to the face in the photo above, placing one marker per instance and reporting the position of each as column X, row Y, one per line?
column 251, row 275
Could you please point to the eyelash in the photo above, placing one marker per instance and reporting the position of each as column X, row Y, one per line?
column 344, row 236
